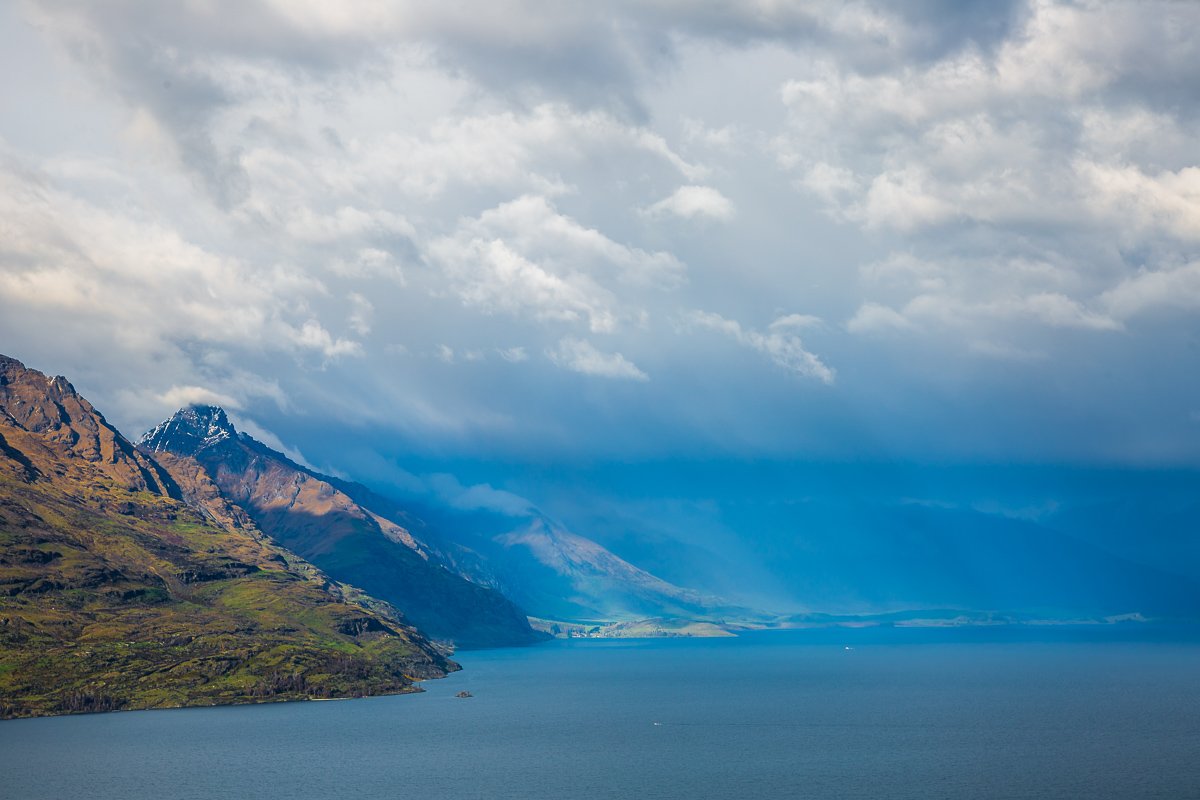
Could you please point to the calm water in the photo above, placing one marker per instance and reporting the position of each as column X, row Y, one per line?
column 904, row 714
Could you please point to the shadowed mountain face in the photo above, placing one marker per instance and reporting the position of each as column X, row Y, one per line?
column 126, row 583
column 307, row 514
column 550, row 571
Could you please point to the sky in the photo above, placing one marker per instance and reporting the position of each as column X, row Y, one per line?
column 538, row 239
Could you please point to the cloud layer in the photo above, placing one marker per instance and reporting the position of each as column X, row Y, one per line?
column 934, row 230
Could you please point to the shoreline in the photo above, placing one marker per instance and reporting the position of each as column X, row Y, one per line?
column 682, row 627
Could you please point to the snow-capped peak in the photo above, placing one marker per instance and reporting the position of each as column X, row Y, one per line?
column 189, row 430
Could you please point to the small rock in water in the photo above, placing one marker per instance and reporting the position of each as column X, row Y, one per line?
column 464, row 693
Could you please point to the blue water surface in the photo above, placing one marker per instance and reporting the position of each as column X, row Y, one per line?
column 980, row 713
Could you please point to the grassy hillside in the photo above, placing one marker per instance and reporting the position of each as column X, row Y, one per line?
column 114, row 594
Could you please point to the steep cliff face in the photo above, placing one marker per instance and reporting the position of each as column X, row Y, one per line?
column 305, row 513
column 125, row 583
column 70, row 432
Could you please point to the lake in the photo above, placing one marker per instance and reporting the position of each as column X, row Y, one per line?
column 1092, row 712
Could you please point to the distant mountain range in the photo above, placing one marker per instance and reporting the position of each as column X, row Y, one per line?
column 824, row 556
column 458, row 575
column 548, row 570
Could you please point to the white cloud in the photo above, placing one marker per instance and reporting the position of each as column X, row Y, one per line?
column 490, row 275
column 513, row 355
column 449, row 355
column 233, row 390
column 1058, row 311
column 526, row 259
column 1142, row 204
column 796, row 321
column 873, row 317
column 142, row 282
column 903, row 200
column 310, row 227
column 477, row 496
column 977, row 297
column 785, row 349
column 1045, row 150
column 580, row 355
column 367, row 262
column 312, row 335
column 1150, row 290
column 323, row 186
column 535, row 227
column 694, row 201
column 183, row 396
column 831, row 184
column 723, row 138
column 1049, row 309
column 361, row 313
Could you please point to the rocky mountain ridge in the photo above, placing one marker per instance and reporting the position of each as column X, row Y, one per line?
column 189, row 430
column 305, row 512
column 69, row 426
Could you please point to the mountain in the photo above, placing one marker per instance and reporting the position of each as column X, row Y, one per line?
column 550, row 571
column 69, row 427
column 306, row 513
column 391, row 547
column 126, row 582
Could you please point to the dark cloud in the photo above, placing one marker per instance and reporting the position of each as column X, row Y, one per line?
column 944, row 27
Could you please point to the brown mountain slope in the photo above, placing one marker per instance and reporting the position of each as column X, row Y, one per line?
column 115, row 592
column 69, row 428
column 305, row 513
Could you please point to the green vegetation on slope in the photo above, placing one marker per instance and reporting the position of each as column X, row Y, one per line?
column 158, row 609
column 114, row 595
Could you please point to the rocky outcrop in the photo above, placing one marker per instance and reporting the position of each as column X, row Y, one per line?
column 68, row 429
